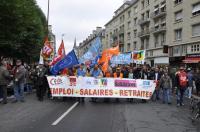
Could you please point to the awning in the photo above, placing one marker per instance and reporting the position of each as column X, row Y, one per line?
column 156, row 9
column 162, row 5
column 190, row 61
column 196, row 8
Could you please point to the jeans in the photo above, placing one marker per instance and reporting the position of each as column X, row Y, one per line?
column 180, row 94
column 19, row 91
column 156, row 95
column 28, row 88
column 166, row 95
column 188, row 92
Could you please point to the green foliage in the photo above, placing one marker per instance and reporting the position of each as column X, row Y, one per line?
column 22, row 29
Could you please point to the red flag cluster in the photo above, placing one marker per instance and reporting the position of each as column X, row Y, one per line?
column 60, row 55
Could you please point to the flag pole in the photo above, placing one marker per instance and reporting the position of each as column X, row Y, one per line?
column 48, row 17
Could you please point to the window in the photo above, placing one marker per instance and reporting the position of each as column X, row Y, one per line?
column 121, row 48
column 151, row 53
column 129, row 36
column 177, row 1
column 128, row 47
column 147, row 43
column 136, row 10
column 184, row 49
column 178, row 15
column 196, row 30
column 163, row 37
column 142, row 4
column 129, row 14
column 147, row 14
column 135, row 33
column 147, row 1
column 178, row 34
column 142, row 15
column 129, row 25
column 196, row 9
column 163, row 6
column 135, row 45
column 195, row 48
column 156, row 10
column 135, row 21
column 156, row 41
column 176, row 50
column 142, row 44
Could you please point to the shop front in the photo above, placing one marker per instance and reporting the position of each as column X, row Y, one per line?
column 192, row 60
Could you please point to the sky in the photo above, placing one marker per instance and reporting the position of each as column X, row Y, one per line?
column 77, row 18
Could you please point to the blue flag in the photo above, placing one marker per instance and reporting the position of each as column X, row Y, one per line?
column 122, row 59
column 67, row 62
column 93, row 51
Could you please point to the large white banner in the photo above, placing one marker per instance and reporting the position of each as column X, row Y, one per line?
column 63, row 86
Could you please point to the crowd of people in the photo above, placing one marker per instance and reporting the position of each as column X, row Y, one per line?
column 182, row 82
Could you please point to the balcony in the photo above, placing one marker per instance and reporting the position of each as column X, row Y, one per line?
column 158, row 29
column 121, row 42
column 158, row 14
column 144, row 33
column 143, row 21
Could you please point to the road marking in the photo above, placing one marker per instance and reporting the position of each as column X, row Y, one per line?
column 64, row 114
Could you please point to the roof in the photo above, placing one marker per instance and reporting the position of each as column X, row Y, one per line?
column 130, row 3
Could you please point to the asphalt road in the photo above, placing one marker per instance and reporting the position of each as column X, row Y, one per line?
column 35, row 116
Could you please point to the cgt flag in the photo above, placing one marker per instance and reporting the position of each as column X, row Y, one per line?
column 47, row 49
column 67, row 62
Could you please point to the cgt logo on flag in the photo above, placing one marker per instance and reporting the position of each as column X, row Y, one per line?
column 47, row 49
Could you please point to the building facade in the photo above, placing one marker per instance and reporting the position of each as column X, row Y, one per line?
column 86, row 44
column 152, row 24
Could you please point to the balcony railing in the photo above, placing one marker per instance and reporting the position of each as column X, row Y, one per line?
column 158, row 29
column 158, row 13
column 143, row 21
column 143, row 33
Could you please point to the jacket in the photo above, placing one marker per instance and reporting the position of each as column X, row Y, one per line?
column 19, row 74
column 4, row 76
column 165, row 82
column 120, row 75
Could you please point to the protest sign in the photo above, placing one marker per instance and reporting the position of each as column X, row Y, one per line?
column 63, row 86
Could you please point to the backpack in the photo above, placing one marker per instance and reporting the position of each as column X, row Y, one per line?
column 182, row 79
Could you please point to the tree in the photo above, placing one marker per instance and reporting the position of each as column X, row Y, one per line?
column 23, row 28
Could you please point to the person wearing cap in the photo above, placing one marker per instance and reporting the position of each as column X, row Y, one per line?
column 19, row 80
column 4, row 80
column 181, row 85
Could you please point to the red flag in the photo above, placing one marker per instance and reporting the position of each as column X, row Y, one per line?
column 60, row 55
column 47, row 49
